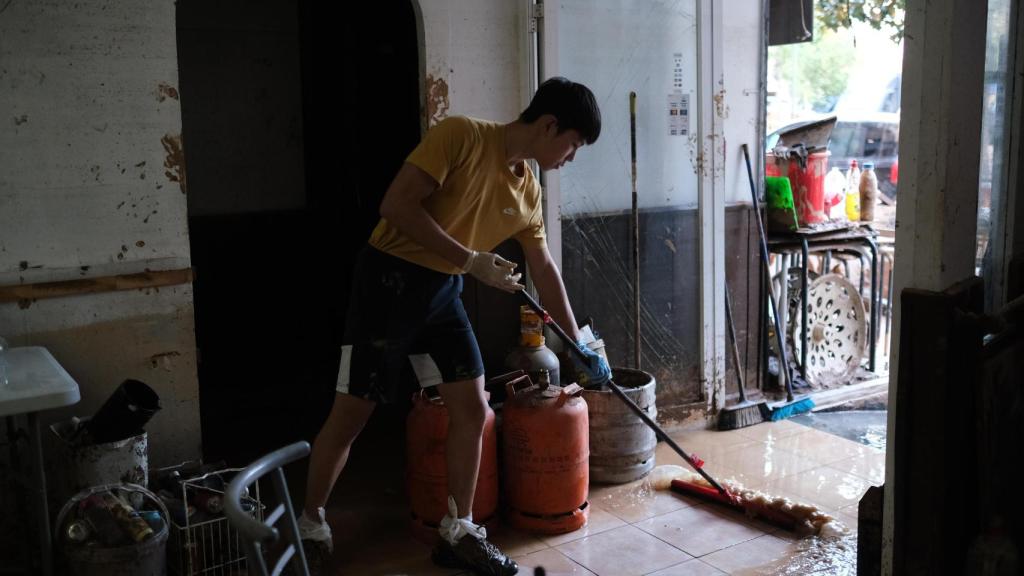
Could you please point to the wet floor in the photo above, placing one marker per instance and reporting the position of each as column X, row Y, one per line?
column 865, row 426
column 818, row 556
column 636, row 530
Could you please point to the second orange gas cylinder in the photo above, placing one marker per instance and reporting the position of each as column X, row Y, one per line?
column 427, row 472
column 545, row 442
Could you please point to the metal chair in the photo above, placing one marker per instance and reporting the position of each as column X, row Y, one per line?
column 256, row 534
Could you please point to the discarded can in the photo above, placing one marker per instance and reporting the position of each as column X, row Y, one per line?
column 180, row 511
column 153, row 518
column 208, row 501
column 128, row 518
column 101, row 521
column 77, row 532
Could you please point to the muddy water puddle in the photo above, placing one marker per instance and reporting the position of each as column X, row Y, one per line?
column 834, row 555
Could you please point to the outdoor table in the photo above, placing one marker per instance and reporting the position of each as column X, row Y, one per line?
column 854, row 238
column 36, row 382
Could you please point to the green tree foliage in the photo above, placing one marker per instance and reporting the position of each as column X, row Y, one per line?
column 816, row 72
column 836, row 14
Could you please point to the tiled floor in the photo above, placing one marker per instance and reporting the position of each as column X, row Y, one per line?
column 634, row 530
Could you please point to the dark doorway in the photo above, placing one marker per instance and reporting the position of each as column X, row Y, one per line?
column 295, row 116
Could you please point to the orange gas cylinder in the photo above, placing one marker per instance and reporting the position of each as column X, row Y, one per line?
column 427, row 472
column 545, row 442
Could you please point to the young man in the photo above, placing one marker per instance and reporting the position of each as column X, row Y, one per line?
column 465, row 189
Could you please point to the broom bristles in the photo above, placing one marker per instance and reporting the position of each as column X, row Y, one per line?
column 742, row 415
column 792, row 409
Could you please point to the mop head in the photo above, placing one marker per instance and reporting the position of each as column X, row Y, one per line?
column 804, row 519
column 792, row 409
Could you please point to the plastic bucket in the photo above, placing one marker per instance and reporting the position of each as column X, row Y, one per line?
column 78, row 467
column 808, row 184
column 146, row 558
column 125, row 412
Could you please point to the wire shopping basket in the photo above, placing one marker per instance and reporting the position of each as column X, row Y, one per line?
column 201, row 541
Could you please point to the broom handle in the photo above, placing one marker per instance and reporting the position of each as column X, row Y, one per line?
column 735, row 345
column 571, row 345
column 779, row 334
column 635, row 224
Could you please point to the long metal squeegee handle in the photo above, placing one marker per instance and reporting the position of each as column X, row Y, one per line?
column 696, row 464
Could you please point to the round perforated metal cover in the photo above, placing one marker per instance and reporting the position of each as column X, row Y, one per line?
column 793, row 310
column 837, row 331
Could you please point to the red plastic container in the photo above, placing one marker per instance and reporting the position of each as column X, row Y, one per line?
column 808, row 184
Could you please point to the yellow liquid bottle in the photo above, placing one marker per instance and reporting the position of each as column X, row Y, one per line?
column 853, row 192
column 853, row 206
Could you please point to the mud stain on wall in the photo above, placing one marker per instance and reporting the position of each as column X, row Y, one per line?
column 174, row 162
column 437, row 100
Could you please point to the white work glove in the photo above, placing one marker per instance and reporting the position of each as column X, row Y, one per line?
column 493, row 270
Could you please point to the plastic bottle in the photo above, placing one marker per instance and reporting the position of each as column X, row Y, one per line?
column 853, row 192
column 868, row 192
column 835, row 194
column 128, row 518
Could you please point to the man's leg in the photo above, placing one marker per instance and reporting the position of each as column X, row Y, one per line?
column 331, row 448
column 330, row 452
column 464, row 544
column 467, row 411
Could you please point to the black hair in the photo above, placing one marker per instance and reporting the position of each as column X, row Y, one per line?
column 571, row 103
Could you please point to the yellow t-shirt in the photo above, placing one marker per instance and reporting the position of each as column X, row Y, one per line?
column 480, row 201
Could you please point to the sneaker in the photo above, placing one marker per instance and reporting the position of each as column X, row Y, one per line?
column 316, row 530
column 476, row 554
column 318, row 557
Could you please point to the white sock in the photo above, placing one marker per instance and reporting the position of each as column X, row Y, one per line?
column 315, row 528
column 453, row 527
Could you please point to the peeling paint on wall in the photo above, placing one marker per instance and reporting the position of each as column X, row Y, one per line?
column 165, row 91
column 175, row 160
column 437, row 99
column 163, row 359
column 721, row 110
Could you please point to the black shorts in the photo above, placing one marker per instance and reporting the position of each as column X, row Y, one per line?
column 405, row 323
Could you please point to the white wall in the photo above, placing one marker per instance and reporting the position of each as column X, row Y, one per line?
column 742, row 95
column 615, row 47
column 92, row 183
column 471, row 53
column 618, row 46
